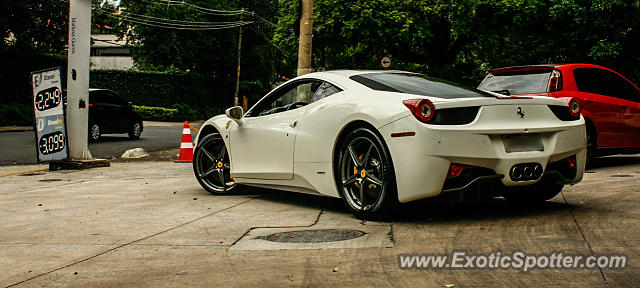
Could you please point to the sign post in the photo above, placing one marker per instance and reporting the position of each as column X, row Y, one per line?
column 78, row 79
column 51, row 134
column 77, row 110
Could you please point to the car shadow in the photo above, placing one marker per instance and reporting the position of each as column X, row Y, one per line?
column 613, row 161
column 427, row 210
column 497, row 208
column 115, row 138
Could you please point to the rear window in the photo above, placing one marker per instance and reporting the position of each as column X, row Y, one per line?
column 418, row 84
column 530, row 82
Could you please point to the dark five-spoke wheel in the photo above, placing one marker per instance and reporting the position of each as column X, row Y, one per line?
column 211, row 165
column 366, row 181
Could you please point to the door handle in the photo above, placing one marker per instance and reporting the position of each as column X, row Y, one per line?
column 294, row 124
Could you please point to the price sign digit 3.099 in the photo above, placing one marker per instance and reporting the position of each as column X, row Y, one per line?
column 51, row 136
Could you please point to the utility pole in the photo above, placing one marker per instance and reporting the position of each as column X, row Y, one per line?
column 306, row 33
column 78, row 79
column 235, row 94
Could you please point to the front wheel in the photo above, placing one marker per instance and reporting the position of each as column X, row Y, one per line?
column 365, row 176
column 211, row 165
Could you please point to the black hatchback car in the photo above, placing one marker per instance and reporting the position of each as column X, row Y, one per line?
column 110, row 114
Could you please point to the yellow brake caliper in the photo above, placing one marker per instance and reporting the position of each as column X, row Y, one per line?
column 355, row 170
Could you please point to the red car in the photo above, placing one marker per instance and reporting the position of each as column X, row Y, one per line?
column 610, row 102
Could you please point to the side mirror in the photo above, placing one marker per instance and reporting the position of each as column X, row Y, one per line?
column 235, row 113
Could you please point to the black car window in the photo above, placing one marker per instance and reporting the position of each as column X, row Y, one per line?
column 116, row 99
column 588, row 80
column 325, row 90
column 617, row 86
column 605, row 82
column 289, row 97
column 418, row 84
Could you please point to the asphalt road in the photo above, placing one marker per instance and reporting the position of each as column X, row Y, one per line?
column 19, row 147
column 150, row 224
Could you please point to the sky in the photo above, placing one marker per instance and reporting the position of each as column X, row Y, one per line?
column 112, row 2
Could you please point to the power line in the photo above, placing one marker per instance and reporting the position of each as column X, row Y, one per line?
column 108, row 10
column 201, row 9
column 181, row 26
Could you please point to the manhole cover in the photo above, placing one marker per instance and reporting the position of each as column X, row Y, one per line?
column 621, row 175
column 314, row 236
column 50, row 180
column 31, row 174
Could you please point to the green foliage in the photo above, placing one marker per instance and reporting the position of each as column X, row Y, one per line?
column 179, row 112
column 211, row 53
column 184, row 112
column 462, row 40
column 157, row 113
column 195, row 93
column 16, row 68
column 16, row 114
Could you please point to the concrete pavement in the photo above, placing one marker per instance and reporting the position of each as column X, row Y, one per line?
column 150, row 224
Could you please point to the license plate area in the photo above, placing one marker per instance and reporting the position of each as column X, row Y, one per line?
column 522, row 143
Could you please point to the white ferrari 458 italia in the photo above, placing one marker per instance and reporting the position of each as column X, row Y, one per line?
column 380, row 138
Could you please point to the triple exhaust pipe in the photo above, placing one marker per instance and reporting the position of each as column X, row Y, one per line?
column 526, row 172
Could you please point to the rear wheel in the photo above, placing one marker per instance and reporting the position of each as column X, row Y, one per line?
column 534, row 194
column 135, row 130
column 94, row 132
column 366, row 179
column 211, row 165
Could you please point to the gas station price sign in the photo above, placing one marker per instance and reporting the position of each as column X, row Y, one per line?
column 51, row 134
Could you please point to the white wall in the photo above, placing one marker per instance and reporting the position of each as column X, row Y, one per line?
column 111, row 62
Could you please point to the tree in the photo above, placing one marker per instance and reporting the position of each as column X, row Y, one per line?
column 464, row 39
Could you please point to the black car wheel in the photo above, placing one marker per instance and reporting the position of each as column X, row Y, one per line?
column 211, row 165
column 135, row 130
column 94, row 132
column 365, row 175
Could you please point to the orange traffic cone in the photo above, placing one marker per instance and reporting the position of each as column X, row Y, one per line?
column 186, row 146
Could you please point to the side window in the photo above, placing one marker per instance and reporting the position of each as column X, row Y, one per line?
column 288, row 98
column 115, row 99
column 588, row 80
column 605, row 82
column 96, row 96
column 323, row 91
column 618, row 87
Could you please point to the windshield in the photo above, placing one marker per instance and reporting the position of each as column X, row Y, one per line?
column 512, row 84
column 418, row 84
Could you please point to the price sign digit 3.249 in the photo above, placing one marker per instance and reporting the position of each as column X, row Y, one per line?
column 47, row 99
column 51, row 143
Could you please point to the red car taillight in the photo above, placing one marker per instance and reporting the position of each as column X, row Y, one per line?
column 575, row 107
column 555, row 82
column 422, row 109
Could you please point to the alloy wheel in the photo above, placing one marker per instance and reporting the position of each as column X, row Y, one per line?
column 362, row 174
column 211, row 165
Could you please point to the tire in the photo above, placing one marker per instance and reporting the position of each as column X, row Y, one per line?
column 534, row 194
column 135, row 130
column 211, row 166
column 365, row 172
column 95, row 131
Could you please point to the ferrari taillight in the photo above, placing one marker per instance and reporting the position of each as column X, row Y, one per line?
column 575, row 107
column 555, row 81
column 422, row 109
